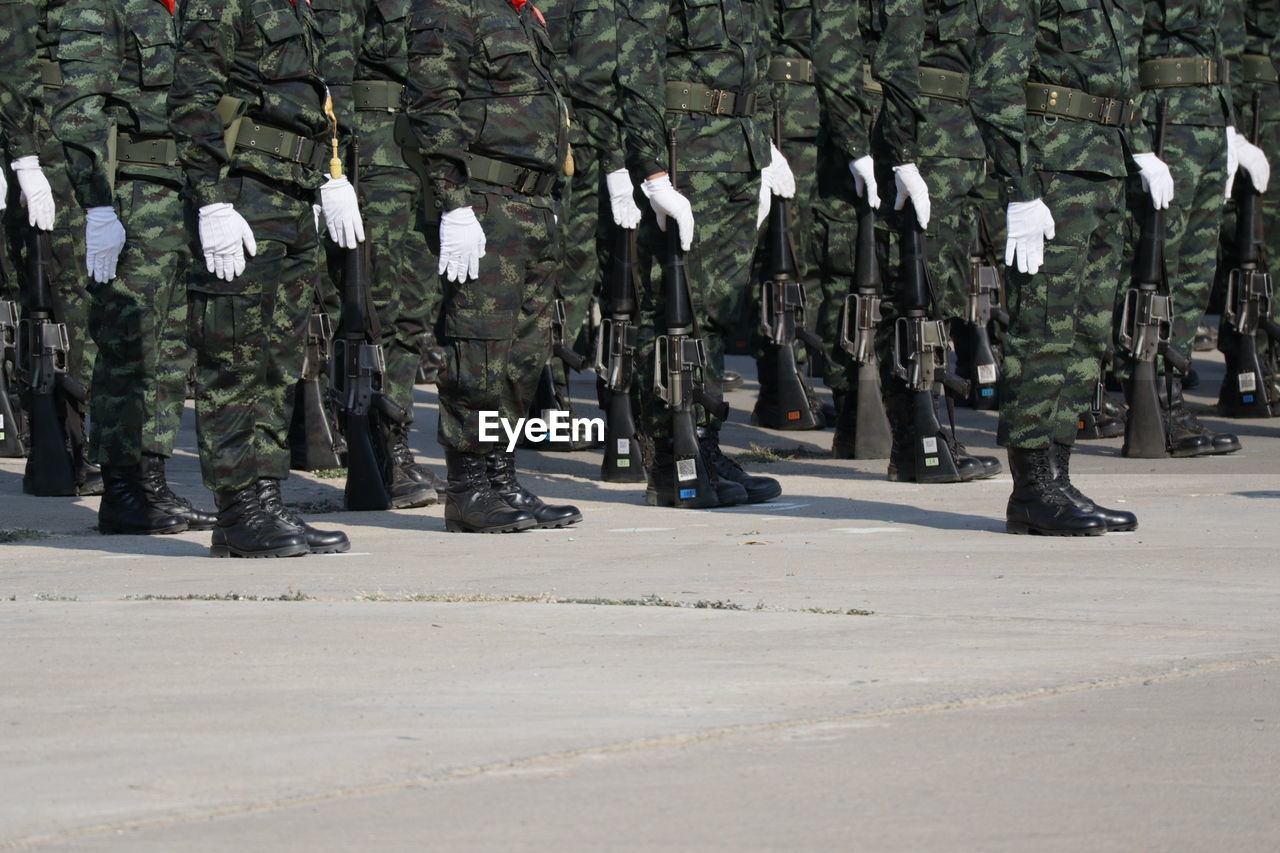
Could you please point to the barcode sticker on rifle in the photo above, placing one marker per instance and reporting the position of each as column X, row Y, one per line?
column 930, row 445
column 1248, row 382
column 624, row 446
column 686, row 469
column 986, row 373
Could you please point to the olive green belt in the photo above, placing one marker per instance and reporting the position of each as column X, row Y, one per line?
column 934, row 83
column 787, row 70
column 696, row 98
column 944, row 85
column 1064, row 102
column 381, row 95
column 146, row 150
column 1181, row 71
column 522, row 179
column 1259, row 69
column 50, row 73
column 286, row 145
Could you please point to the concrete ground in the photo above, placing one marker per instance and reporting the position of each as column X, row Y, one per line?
column 860, row 665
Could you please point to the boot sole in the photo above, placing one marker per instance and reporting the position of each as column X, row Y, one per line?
column 458, row 527
column 429, row 498
column 1123, row 528
column 1022, row 528
column 340, row 548
column 286, row 551
column 114, row 530
column 652, row 500
column 564, row 522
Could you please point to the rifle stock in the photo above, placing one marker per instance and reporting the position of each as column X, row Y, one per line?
column 616, row 346
column 974, row 347
column 11, row 423
column 314, row 439
column 860, row 319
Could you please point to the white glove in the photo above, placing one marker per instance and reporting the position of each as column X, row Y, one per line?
column 342, row 212
column 1156, row 180
column 665, row 202
column 4, row 190
column 225, row 237
column 462, row 244
column 864, row 180
column 777, row 175
column 37, row 192
column 1245, row 155
column 911, row 186
column 103, row 239
column 622, row 199
column 1030, row 224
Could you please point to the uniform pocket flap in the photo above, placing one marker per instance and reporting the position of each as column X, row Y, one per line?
column 278, row 26
column 393, row 10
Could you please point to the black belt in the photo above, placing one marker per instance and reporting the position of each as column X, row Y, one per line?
column 789, row 70
column 1065, row 102
column 146, row 150
column 696, row 98
column 380, row 95
column 522, row 179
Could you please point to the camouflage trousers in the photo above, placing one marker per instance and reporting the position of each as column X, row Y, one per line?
column 588, row 229
column 719, row 274
column 835, row 241
column 403, row 277
column 1061, row 317
column 497, row 328
column 1197, row 158
column 138, row 320
column 248, row 336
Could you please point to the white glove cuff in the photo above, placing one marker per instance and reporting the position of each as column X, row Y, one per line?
column 31, row 161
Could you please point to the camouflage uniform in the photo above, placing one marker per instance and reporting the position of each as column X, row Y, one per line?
column 481, row 85
column 1061, row 317
column 721, row 46
column 847, row 114
column 368, row 42
column 1195, row 149
column 117, row 63
column 248, row 332
column 19, row 79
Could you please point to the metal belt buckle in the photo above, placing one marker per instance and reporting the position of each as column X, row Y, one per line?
column 1108, row 104
column 718, row 98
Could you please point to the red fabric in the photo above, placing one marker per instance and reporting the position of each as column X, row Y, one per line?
column 541, row 20
column 168, row 4
column 518, row 4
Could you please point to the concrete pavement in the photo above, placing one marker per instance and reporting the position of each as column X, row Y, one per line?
column 860, row 665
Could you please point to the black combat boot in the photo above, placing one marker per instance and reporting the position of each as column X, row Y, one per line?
column 1038, row 505
column 127, row 507
column 1185, row 428
column 731, row 381
column 162, row 497
column 470, row 503
column 1115, row 519
column 246, row 529
column 318, row 541
column 412, row 485
column 660, row 479
column 759, row 489
column 502, row 477
column 1107, row 422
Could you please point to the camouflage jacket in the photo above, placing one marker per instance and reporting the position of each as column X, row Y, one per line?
column 263, row 52
column 1252, row 27
column 116, row 58
column 929, row 34
column 481, row 81
column 1187, row 28
column 825, row 32
column 19, row 77
column 1089, row 45
column 584, row 35
column 721, row 44
column 341, row 27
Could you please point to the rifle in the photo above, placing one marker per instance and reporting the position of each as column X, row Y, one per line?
column 1146, row 322
column 920, row 346
column 1095, row 423
column 871, row 436
column 11, row 423
column 549, row 395
column 314, row 440
column 42, row 350
column 1247, row 307
column 973, row 343
column 679, row 365
column 355, row 377
column 782, row 320
column 616, row 366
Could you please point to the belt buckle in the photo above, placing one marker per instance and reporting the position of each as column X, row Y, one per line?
column 1108, row 104
column 718, row 97
column 522, row 182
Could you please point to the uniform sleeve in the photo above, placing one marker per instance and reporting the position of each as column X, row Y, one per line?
column 839, row 56
column 897, row 67
column 19, row 78
column 1003, row 54
column 441, row 41
column 642, row 28
column 207, row 47
column 90, row 53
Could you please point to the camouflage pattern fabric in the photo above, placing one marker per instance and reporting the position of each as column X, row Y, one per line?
column 248, row 332
column 1061, row 316
column 139, row 318
column 19, row 76
column 482, row 79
